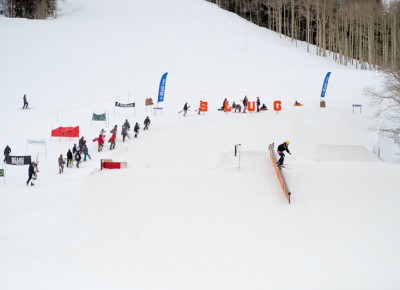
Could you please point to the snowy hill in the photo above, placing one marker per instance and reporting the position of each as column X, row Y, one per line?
column 183, row 215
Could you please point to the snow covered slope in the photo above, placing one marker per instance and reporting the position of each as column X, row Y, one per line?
column 183, row 215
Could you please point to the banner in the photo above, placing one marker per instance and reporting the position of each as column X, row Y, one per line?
column 325, row 85
column 65, row 132
column 31, row 141
column 130, row 105
column 161, row 90
column 18, row 160
column 101, row 117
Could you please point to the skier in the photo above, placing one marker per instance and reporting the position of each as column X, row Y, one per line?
column 69, row 158
column 124, row 132
column 146, row 123
column 7, row 152
column 25, row 103
column 185, row 109
column 78, row 158
column 61, row 163
column 31, row 172
column 258, row 104
column 112, row 141
column 136, row 129
column 281, row 148
column 245, row 104
column 85, row 151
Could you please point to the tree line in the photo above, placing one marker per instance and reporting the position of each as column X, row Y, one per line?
column 364, row 33
column 31, row 9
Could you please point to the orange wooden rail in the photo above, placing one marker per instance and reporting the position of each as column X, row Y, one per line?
column 279, row 172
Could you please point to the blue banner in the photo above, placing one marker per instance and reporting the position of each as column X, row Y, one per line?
column 325, row 85
column 161, row 90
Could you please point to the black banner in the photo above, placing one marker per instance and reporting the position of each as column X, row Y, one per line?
column 18, row 160
column 125, row 105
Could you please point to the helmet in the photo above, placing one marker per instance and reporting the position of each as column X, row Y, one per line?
column 287, row 142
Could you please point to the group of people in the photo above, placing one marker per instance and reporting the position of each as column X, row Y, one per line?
column 75, row 155
column 245, row 101
column 124, row 132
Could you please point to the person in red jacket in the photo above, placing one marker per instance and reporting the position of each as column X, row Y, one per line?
column 112, row 141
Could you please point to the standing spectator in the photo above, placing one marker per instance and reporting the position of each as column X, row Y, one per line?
column 102, row 132
column 7, row 152
column 61, row 163
column 85, row 151
column 69, row 158
column 25, row 103
column 74, row 149
column 245, row 104
column 258, row 104
column 78, row 158
column 31, row 172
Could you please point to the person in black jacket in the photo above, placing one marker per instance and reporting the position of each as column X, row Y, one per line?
column 31, row 172
column 69, row 158
column 281, row 148
column 78, row 158
column 7, row 152
column 136, row 129
column 146, row 123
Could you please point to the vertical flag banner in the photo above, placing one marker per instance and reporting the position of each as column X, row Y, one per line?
column 325, row 85
column 161, row 90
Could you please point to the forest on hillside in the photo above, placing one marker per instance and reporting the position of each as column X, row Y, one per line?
column 31, row 9
column 364, row 33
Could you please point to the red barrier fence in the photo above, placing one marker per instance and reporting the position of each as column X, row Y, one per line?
column 109, row 164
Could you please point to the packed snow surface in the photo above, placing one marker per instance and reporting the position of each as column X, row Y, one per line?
column 186, row 213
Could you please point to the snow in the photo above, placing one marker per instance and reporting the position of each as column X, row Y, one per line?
column 184, row 214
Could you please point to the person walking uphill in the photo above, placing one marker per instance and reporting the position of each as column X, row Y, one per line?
column 31, row 172
column 61, row 163
column 281, row 148
column 7, row 152
column 69, row 158
column 147, row 123
column 25, row 103
column 136, row 129
column 78, row 158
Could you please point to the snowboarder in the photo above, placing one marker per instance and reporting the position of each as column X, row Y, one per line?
column 61, row 163
column 258, row 104
column 7, row 152
column 78, row 158
column 31, row 172
column 146, row 123
column 112, row 141
column 185, row 109
column 281, row 148
column 69, row 158
column 136, row 129
column 25, row 103
column 85, row 151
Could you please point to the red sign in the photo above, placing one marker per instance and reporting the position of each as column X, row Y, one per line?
column 65, row 132
column 277, row 106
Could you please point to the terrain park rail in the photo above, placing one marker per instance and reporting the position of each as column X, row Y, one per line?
column 279, row 172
